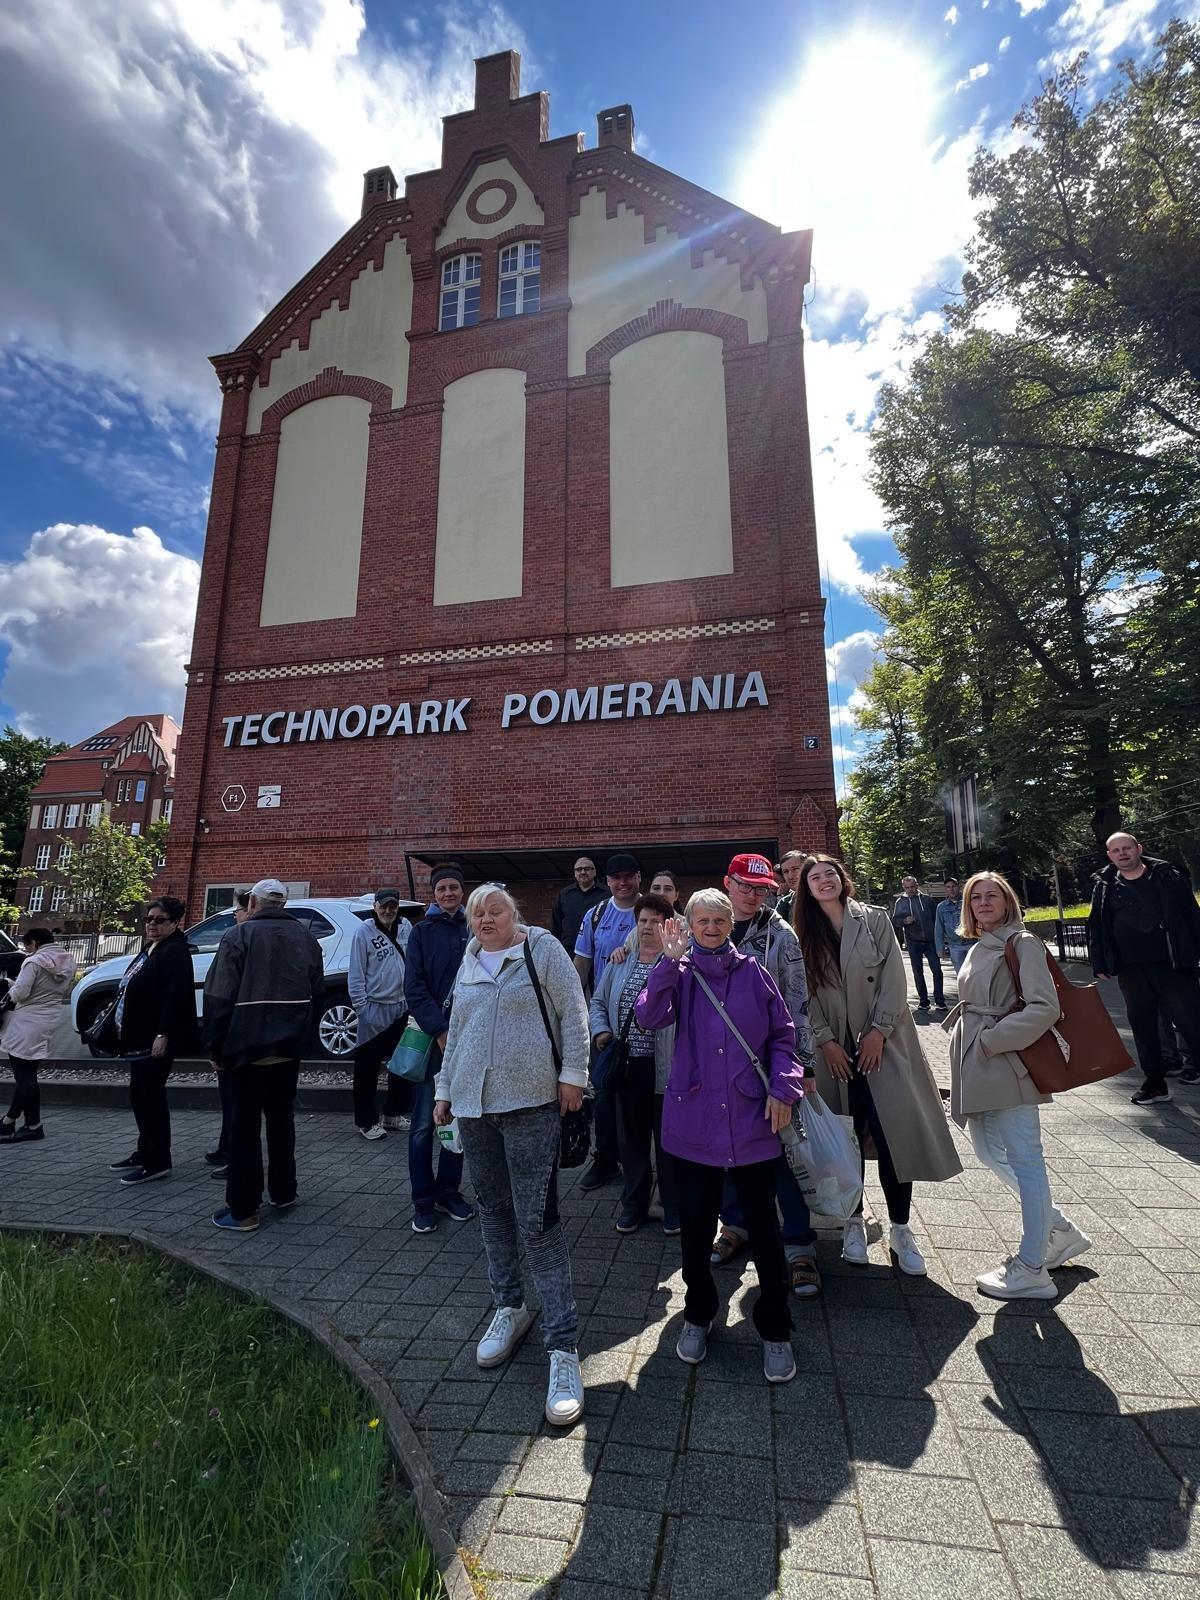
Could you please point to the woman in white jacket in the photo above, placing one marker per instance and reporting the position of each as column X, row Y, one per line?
column 37, row 994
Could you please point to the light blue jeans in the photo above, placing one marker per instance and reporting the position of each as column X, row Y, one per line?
column 1009, row 1143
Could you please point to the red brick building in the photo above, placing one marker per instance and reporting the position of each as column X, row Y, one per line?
column 126, row 772
column 511, row 548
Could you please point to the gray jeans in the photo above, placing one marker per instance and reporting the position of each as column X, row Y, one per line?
column 512, row 1159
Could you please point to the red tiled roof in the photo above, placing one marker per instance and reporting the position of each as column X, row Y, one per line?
column 70, row 777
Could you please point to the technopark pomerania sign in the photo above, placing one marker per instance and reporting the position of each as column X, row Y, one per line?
column 606, row 702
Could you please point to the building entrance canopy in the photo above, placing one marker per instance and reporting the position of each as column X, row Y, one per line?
column 706, row 858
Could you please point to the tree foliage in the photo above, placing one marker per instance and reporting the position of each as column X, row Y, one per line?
column 113, row 871
column 1040, row 473
column 22, row 760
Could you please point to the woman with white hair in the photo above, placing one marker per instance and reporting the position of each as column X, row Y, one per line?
column 518, row 1009
column 719, row 1118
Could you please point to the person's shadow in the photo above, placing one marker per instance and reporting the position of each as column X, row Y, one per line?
column 1123, row 1490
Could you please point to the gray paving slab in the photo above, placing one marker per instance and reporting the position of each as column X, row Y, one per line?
column 933, row 1444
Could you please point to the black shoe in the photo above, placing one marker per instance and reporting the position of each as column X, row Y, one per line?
column 218, row 1173
column 1190, row 1075
column 670, row 1224
column 25, row 1135
column 1150, row 1093
column 216, row 1158
column 129, row 1163
column 600, row 1172
column 922, row 1005
column 142, row 1175
column 630, row 1219
column 285, row 1205
column 8, row 1132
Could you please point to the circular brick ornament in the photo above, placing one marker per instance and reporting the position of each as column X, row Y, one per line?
column 491, row 201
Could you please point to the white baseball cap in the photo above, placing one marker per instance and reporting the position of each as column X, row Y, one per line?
column 269, row 889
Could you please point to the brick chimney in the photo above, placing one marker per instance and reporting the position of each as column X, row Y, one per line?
column 379, row 186
column 497, row 79
column 615, row 127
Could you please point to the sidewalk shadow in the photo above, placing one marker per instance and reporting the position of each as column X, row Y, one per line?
column 1122, row 1496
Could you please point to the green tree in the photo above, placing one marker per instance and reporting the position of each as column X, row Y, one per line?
column 22, row 760
column 113, row 871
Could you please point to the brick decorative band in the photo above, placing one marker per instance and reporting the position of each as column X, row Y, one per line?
column 409, row 658
column 690, row 630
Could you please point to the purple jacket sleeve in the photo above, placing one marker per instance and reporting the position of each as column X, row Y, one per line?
column 655, row 1006
column 787, row 1074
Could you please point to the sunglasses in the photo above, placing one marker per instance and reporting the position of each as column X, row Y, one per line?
column 158, row 919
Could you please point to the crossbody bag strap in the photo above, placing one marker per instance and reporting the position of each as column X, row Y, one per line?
column 541, row 1000
column 1014, row 967
column 733, row 1027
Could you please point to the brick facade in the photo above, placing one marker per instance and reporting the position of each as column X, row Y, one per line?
column 351, row 809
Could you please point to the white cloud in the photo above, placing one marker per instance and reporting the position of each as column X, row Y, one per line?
column 1030, row 5
column 973, row 76
column 97, row 625
column 1005, row 42
column 1108, row 28
column 849, row 660
column 951, row 16
column 193, row 157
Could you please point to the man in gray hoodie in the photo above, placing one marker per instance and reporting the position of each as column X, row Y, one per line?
column 375, row 979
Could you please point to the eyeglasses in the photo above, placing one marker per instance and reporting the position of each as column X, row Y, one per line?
column 750, row 888
column 158, row 919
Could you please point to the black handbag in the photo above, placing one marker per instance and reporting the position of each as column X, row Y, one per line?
column 610, row 1070
column 101, row 1032
column 575, row 1136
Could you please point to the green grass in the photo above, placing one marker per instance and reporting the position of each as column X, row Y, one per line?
column 161, row 1439
column 1050, row 913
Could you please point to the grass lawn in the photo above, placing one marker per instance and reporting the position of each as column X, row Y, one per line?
column 161, row 1439
column 1077, row 913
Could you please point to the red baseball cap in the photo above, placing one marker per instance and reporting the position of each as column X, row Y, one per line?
column 754, row 869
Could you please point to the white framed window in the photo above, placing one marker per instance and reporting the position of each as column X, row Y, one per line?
column 135, row 828
column 58, row 898
column 124, row 785
column 94, row 812
column 71, row 819
column 50, row 817
column 166, row 810
column 36, row 895
column 460, row 292
column 520, row 278
column 42, row 860
column 139, row 794
column 65, row 852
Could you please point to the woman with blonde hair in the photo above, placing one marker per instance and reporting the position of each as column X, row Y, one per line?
column 518, row 1012
column 992, row 1094
column 870, row 1064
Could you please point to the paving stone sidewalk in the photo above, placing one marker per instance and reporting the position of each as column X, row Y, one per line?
column 934, row 1444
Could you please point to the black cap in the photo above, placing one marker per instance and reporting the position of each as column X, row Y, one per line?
column 448, row 870
column 382, row 896
column 622, row 861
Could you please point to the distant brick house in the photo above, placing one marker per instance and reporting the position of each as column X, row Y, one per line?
column 125, row 772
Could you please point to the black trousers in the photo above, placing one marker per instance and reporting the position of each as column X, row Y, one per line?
column 27, row 1098
column 639, row 1137
column 148, row 1097
column 262, row 1094
column 605, row 1142
column 369, row 1058
column 1152, row 992
column 866, row 1120
column 700, row 1190
column 920, row 951
column 225, row 1091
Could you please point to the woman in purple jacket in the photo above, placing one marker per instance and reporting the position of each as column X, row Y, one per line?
column 718, row 1117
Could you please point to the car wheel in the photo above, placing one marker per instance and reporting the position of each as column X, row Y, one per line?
column 89, row 1010
column 337, row 1028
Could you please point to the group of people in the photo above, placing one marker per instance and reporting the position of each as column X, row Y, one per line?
column 689, row 1035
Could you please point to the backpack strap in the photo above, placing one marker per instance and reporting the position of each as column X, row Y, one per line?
column 597, row 913
column 732, row 1026
column 541, row 1000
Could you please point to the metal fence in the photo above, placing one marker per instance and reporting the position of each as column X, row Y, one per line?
column 89, row 948
column 1069, row 938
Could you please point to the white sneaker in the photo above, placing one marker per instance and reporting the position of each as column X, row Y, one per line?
column 377, row 1132
column 1065, row 1243
column 854, row 1242
column 398, row 1124
column 1013, row 1280
column 505, row 1332
column 692, row 1344
column 564, row 1397
column 904, row 1247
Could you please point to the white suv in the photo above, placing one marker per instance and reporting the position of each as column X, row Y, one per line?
column 332, row 923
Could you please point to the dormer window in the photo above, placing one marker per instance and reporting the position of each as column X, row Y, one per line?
column 520, row 278
column 460, row 292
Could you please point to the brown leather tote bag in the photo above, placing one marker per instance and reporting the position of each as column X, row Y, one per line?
column 1084, row 1024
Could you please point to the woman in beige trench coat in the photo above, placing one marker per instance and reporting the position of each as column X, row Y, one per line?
column 991, row 1093
column 869, row 1060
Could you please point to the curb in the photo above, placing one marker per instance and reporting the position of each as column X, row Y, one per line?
column 406, row 1447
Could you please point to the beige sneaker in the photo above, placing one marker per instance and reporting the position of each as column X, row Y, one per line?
column 1013, row 1280
column 1064, row 1244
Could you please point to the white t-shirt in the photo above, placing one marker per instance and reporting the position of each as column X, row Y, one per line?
column 492, row 960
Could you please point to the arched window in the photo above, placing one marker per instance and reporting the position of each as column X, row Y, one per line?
column 460, row 292
column 520, row 278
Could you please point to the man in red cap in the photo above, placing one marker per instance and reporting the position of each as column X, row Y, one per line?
column 761, row 932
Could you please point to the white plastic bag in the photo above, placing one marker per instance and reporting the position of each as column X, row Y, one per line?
column 824, row 1159
column 449, row 1137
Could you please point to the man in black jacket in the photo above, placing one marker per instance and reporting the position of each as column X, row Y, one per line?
column 261, row 1000
column 1144, row 930
column 575, row 901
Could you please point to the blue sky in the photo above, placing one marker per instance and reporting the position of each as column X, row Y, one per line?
column 172, row 166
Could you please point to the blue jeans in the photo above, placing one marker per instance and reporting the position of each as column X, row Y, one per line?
column 512, row 1157
column 426, row 1189
column 958, row 954
column 799, row 1235
column 920, row 951
column 1009, row 1143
